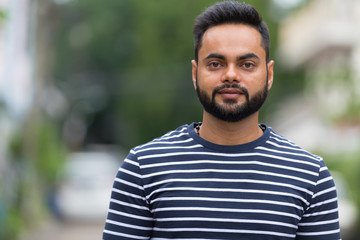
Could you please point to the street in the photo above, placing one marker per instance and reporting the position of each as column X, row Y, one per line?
column 56, row 230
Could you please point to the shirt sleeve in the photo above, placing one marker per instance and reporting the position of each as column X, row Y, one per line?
column 129, row 216
column 321, row 219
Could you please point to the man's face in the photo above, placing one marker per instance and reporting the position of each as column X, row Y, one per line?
column 231, row 76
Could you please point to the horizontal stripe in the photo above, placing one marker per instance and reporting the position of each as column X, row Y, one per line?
column 322, row 169
column 324, row 202
column 115, row 190
column 321, row 213
column 177, row 154
column 169, row 148
column 129, row 183
column 289, row 148
column 225, row 200
column 130, row 173
column 324, row 180
column 173, row 136
column 227, row 190
column 228, row 220
column 262, row 211
column 128, row 225
column 282, row 139
column 223, row 162
column 221, row 180
column 164, row 155
column 228, row 171
column 124, row 235
column 128, row 204
column 223, row 231
column 319, row 223
column 333, row 189
column 288, row 153
column 156, row 238
column 130, row 215
column 136, row 164
column 318, row 233
column 161, row 141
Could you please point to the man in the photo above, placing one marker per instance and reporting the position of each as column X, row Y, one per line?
column 228, row 177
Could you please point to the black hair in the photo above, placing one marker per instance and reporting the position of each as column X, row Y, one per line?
column 227, row 12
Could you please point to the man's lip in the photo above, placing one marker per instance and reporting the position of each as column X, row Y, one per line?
column 230, row 91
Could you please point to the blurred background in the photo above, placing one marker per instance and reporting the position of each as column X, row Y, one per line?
column 83, row 81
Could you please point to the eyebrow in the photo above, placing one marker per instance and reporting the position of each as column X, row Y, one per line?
column 247, row 56
column 219, row 56
column 215, row 55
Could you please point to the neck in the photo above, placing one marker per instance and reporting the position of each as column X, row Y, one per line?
column 230, row 133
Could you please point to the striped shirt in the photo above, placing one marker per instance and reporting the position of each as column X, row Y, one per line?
column 180, row 186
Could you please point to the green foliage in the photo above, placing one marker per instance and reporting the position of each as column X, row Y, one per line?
column 15, row 146
column 348, row 165
column 141, row 53
column 11, row 224
column 2, row 15
column 49, row 153
column 45, row 150
column 36, row 156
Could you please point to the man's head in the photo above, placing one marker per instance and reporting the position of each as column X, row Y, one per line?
column 231, row 72
column 230, row 12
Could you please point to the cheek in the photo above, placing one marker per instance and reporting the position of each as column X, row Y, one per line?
column 258, row 85
column 206, row 81
column 213, row 76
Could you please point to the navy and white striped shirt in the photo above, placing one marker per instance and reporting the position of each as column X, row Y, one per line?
column 180, row 186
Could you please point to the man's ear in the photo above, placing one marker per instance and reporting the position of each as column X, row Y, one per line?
column 270, row 67
column 194, row 72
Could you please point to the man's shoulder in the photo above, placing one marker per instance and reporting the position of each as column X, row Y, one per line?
column 282, row 145
column 178, row 137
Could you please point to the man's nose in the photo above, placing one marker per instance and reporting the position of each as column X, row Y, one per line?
column 231, row 74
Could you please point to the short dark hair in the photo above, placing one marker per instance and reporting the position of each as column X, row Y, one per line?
column 228, row 12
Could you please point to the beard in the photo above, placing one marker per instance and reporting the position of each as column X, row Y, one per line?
column 230, row 110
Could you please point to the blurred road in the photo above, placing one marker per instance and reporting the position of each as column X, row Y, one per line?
column 56, row 230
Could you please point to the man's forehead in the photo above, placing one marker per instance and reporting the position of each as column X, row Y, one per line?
column 231, row 38
column 225, row 31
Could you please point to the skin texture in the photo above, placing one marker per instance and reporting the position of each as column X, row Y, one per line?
column 231, row 54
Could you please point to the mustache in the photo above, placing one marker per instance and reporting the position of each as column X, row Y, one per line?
column 234, row 85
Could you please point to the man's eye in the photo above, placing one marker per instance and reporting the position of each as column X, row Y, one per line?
column 248, row 65
column 214, row 64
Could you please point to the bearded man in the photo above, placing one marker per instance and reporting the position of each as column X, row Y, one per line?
column 226, row 177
